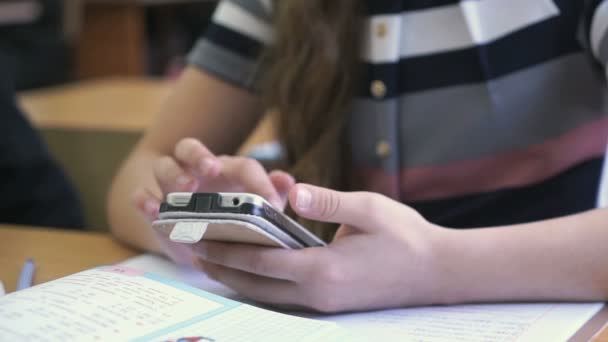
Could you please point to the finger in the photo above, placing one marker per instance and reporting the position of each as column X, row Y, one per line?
column 258, row 288
column 264, row 261
column 147, row 203
column 194, row 155
column 358, row 209
column 282, row 182
column 252, row 176
column 171, row 177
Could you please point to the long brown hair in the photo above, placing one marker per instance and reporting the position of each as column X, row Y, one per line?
column 310, row 82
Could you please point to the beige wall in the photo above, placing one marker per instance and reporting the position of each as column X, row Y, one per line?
column 90, row 159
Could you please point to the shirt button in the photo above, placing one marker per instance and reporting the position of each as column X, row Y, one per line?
column 381, row 30
column 378, row 89
column 383, row 149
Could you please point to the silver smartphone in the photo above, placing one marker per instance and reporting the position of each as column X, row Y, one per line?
column 243, row 207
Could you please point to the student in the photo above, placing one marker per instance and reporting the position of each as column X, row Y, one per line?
column 35, row 191
column 487, row 115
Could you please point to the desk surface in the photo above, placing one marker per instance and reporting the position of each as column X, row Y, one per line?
column 114, row 104
column 58, row 253
column 111, row 105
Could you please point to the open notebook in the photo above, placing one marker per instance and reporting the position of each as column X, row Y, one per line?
column 127, row 303
column 117, row 303
column 495, row 322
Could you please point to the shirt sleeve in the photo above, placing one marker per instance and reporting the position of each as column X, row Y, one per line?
column 595, row 22
column 231, row 46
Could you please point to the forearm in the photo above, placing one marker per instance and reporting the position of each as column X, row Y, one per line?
column 126, row 222
column 559, row 259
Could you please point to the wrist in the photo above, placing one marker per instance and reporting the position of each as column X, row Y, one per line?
column 446, row 269
column 430, row 282
column 471, row 266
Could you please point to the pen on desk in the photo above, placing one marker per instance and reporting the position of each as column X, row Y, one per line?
column 26, row 277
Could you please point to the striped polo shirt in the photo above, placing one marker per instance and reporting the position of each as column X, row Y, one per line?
column 475, row 112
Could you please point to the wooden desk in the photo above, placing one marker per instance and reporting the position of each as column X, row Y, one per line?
column 117, row 104
column 112, row 104
column 57, row 253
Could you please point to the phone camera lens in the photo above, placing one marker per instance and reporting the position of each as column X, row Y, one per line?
column 236, row 201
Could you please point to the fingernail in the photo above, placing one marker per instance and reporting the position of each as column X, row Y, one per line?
column 183, row 180
column 151, row 207
column 206, row 165
column 303, row 199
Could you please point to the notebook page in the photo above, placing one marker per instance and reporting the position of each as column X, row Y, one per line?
column 244, row 325
column 491, row 322
column 121, row 304
column 156, row 264
column 498, row 322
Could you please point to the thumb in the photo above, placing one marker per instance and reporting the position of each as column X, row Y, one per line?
column 322, row 204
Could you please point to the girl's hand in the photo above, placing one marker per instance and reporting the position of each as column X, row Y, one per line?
column 382, row 256
column 193, row 168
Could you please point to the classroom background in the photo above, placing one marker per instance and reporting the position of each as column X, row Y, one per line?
column 91, row 75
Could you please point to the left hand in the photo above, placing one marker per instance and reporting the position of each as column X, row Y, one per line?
column 383, row 255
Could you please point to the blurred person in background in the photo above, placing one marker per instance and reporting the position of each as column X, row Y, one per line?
column 33, row 189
